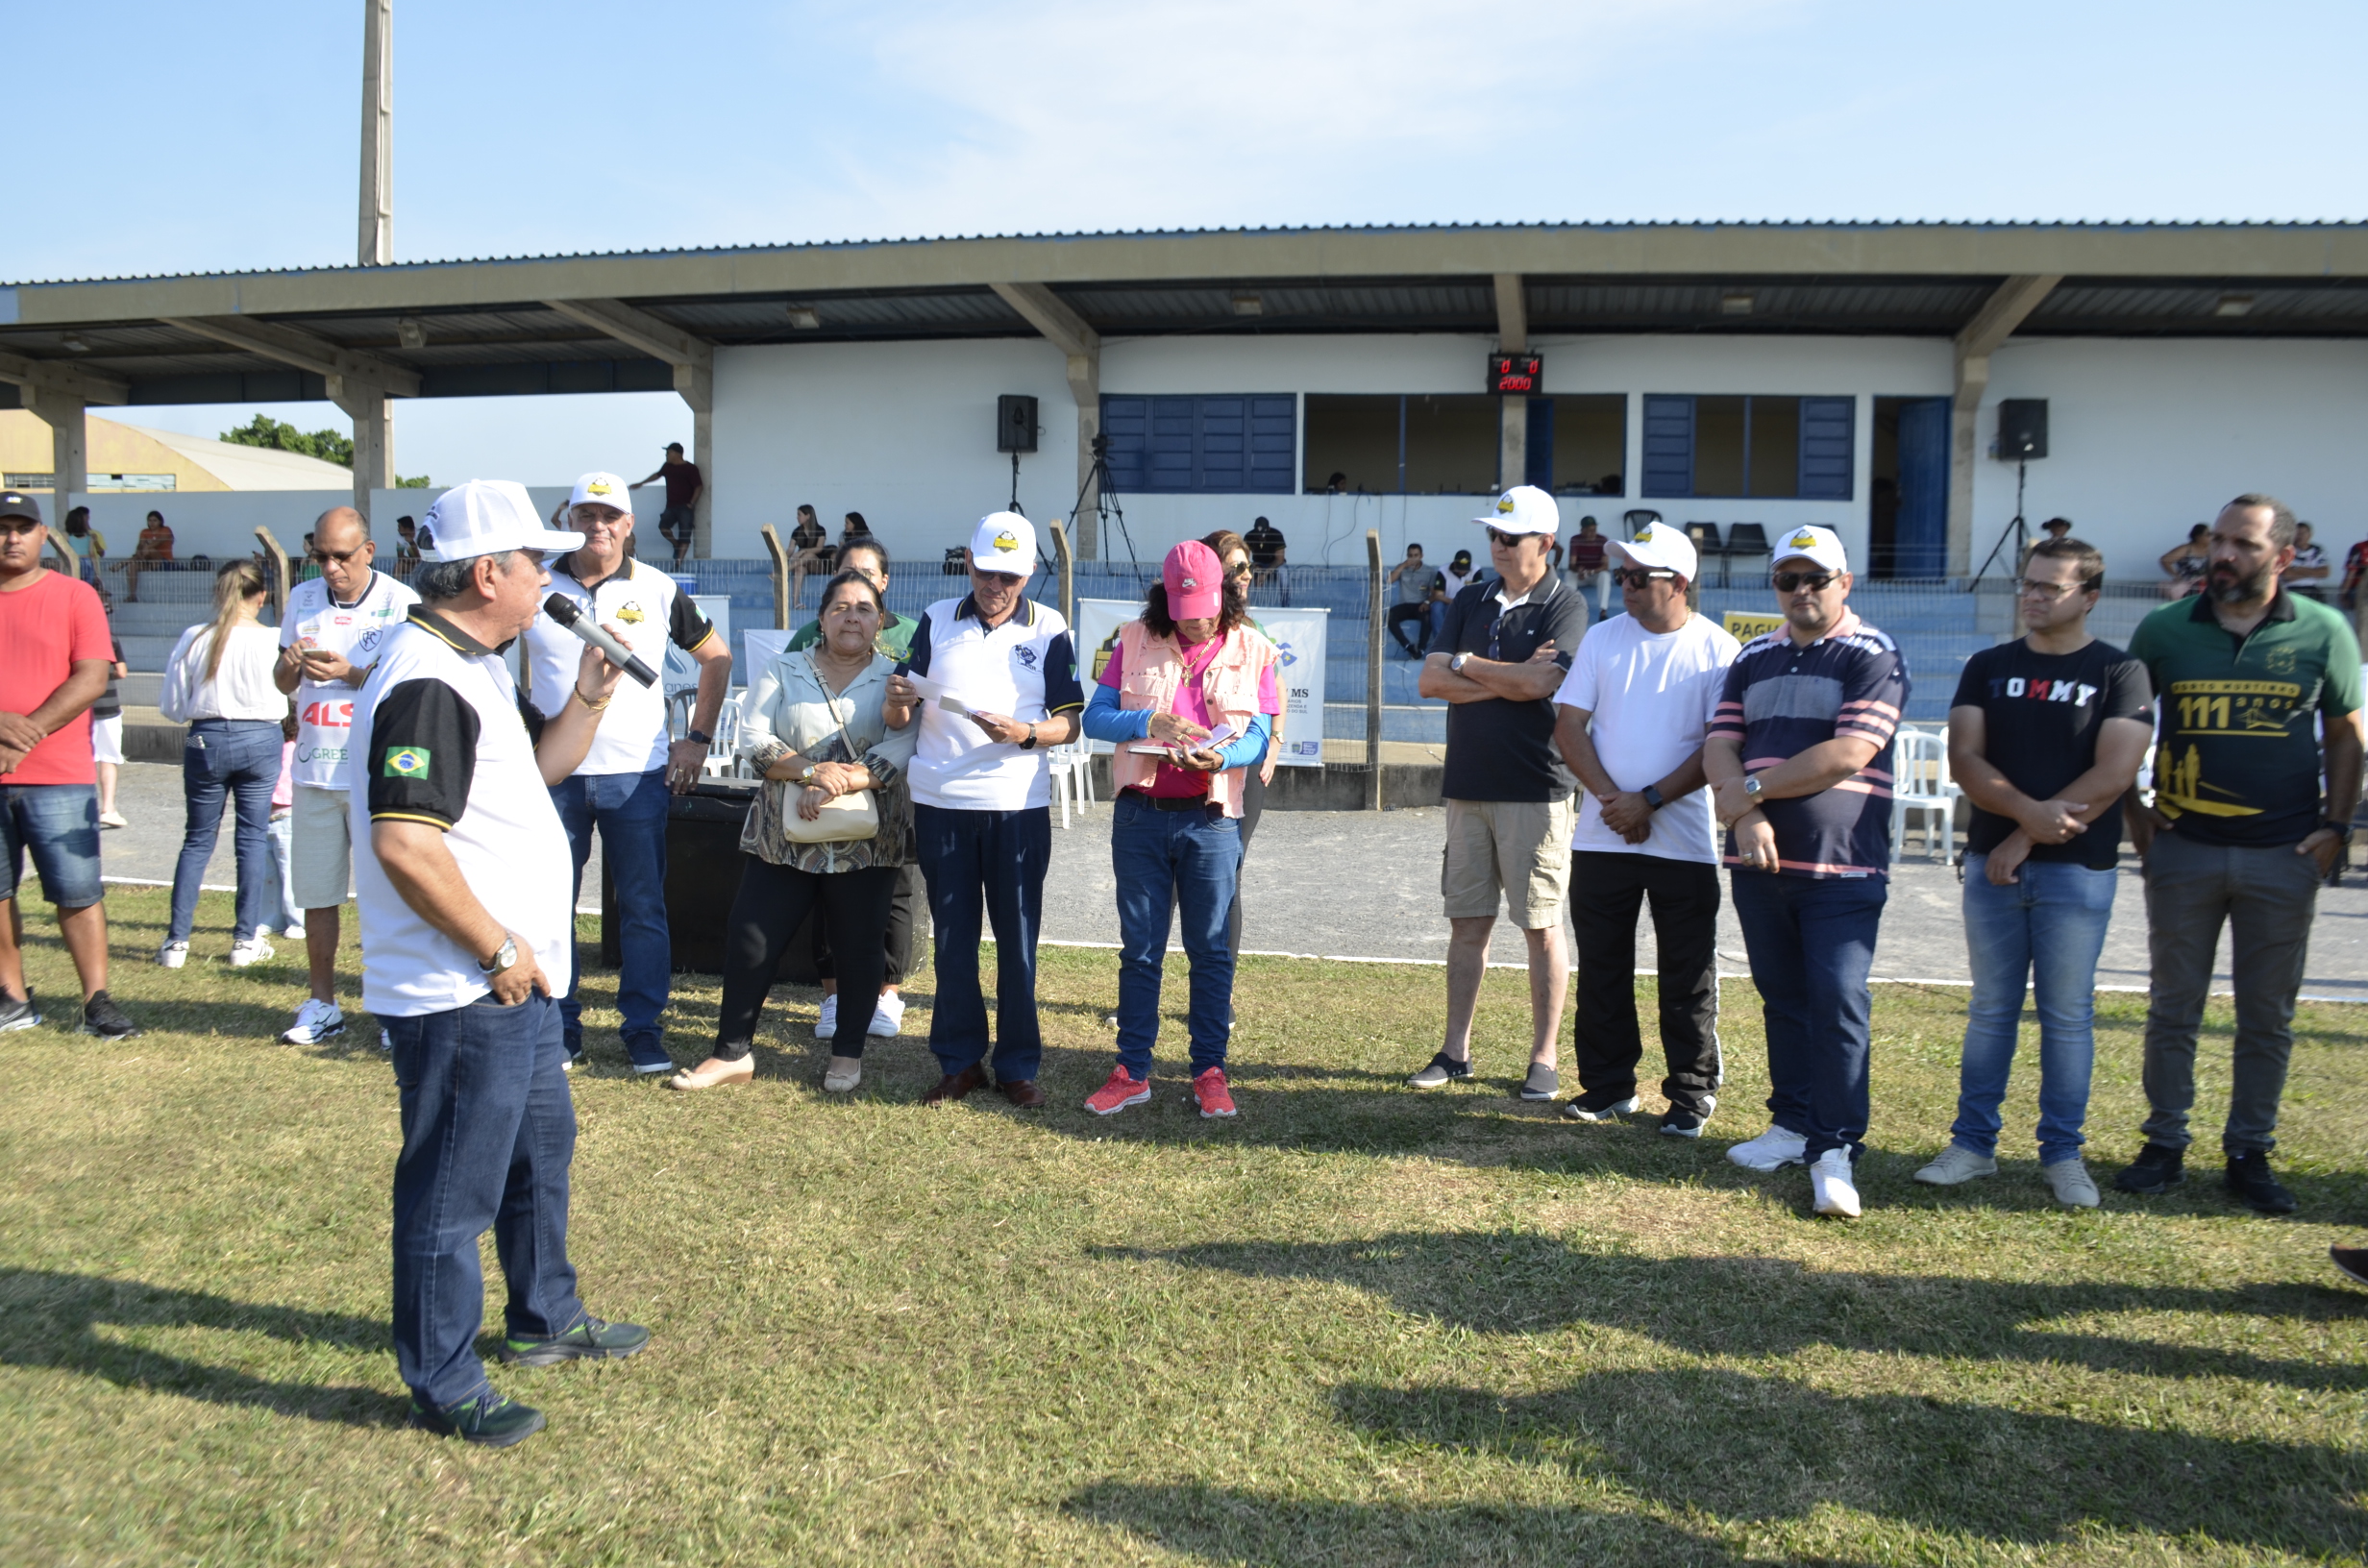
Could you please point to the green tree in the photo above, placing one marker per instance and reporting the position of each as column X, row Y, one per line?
column 264, row 431
column 416, row 481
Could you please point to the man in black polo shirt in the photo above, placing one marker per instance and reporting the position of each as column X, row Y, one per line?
column 1510, row 795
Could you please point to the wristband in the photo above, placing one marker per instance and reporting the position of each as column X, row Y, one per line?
column 2341, row 830
column 591, row 705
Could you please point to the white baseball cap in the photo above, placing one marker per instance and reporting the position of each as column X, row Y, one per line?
column 599, row 490
column 1811, row 543
column 485, row 517
column 1004, row 542
column 1657, row 548
column 1524, row 509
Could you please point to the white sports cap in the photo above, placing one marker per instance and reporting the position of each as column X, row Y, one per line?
column 600, row 490
column 1524, row 509
column 1657, row 548
column 485, row 517
column 1811, row 543
column 1004, row 542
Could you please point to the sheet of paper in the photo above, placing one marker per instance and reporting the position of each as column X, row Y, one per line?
column 935, row 691
column 1218, row 739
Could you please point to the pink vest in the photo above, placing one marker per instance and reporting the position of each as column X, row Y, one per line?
column 1152, row 668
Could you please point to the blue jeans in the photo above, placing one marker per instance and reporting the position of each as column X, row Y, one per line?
column 59, row 826
column 629, row 810
column 1171, row 860
column 239, row 758
column 2047, row 927
column 1811, row 943
column 488, row 1131
column 986, row 865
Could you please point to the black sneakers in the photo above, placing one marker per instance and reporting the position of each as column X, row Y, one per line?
column 591, row 1340
column 1543, row 1083
column 18, row 1013
column 2157, row 1169
column 2250, row 1183
column 100, row 1017
column 1599, row 1104
column 1443, row 1070
column 489, row 1420
column 2353, row 1260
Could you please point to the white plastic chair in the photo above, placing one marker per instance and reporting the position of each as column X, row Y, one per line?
column 1920, row 783
column 1072, row 776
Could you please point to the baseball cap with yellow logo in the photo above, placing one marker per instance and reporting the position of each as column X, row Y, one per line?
column 1657, row 548
column 1004, row 542
column 1524, row 509
column 1812, row 543
column 599, row 490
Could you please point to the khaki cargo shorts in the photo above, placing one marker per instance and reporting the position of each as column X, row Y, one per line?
column 320, row 847
column 1516, row 849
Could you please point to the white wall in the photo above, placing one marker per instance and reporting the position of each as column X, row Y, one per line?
column 216, row 523
column 2147, row 438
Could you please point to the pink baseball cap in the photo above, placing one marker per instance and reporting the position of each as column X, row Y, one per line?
column 1195, row 582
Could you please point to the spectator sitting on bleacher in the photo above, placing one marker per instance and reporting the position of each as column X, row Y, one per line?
column 155, row 543
column 2185, row 563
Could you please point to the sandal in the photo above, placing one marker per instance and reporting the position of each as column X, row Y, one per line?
column 714, row 1072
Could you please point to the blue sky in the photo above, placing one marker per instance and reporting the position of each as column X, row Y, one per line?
column 194, row 144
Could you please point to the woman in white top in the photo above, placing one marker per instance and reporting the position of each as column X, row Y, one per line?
column 219, row 683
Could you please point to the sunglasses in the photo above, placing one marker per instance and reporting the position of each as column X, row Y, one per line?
column 322, row 557
column 1009, row 579
column 1817, row 582
column 1505, row 541
column 1638, row 576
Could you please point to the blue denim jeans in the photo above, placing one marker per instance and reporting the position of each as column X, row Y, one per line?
column 629, row 810
column 59, row 826
column 1185, row 861
column 488, row 1132
column 1811, row 943
column 239, row 758
column 986, row 865
column 2045, row 929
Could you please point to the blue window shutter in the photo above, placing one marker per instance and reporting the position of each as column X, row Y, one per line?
column 1223, row 444
column 1829, row 432
column 1172, row 459
column 1127, row 423
column 1538, row 445
column 1669, row 446
column 1273, row 445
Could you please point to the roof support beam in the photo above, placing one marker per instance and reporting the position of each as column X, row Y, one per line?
column 2006, row 309
column 693, row 360
column 57, row 375
column 58, row 394
column 306, row 351
column 1081, row 346
column 1513, row 414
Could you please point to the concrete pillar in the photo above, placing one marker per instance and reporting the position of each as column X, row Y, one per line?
column 373, row 414
column 696, row 383
column 1972, row 379
column 69, row 445
column 377, row 243
column 1513, row 443
column 1085, row 386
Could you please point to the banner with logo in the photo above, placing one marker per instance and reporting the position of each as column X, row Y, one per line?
column 1743, row 625
column 1298, row 676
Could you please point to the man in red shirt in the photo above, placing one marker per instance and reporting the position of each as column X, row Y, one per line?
column 54, row 655
column 683, row 483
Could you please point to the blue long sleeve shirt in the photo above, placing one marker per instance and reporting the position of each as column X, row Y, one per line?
column 1107, row 720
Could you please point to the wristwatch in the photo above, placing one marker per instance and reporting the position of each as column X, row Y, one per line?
column 807, row 778
column 1752, row 786
column 699, row 735
column 1030, row 744
column 505, row 957
column 1652, row 797
column 1456, row 663
column 2341, row 830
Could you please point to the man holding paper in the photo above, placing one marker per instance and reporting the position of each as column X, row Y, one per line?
column 991, row 680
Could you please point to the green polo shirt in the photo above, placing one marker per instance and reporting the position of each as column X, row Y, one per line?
column 895, row 639
column 2238, row 756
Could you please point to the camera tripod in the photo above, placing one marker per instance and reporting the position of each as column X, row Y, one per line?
column 1107, row 508
column 2017, row 531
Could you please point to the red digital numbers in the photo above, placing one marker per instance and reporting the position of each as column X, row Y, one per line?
column 1515, row 372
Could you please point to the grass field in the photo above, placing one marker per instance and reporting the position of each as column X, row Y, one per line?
column 1355, row 1326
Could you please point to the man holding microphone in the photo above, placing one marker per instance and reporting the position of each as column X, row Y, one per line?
column 467, row 931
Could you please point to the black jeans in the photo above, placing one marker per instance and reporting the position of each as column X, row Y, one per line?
column 900, row 943
column 1419, row 615
column 1605, row 892
column 773, row 902
column 1253, row 802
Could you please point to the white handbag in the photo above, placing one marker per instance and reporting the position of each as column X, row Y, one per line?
column 843, row 818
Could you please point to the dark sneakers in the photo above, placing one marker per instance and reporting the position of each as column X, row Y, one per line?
column 588, row 1340
column 2157, row 1169
column 1444, row 1070
column 489, row 1420
column 1599, row 1105
column 2250, row 1183
column 2353, row 1260
column 100, row 1017
column 18, row 1013
column 1543, row 1083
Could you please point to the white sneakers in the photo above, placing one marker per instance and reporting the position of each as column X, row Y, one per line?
column 1772, row 1150
column 2070, row 1182
column 254, row 951
column 827, row 1026
column 315, row 1021
column 889, row 1017
column 1956, row 1164
column 173, row 954
column 1832, row 1187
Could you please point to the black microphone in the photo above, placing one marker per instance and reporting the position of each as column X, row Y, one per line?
column 563, row 609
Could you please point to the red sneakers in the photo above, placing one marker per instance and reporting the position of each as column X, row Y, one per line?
column 1120, row 1093
column 1210, row 1089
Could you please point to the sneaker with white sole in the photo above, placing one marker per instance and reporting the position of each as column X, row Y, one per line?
column 827, row 1026
column 2069, row 1180
column 1543, row 1083
column 315, row 1021
column 19, row 1013
column 1956, row 1164
column 888, row 1018
column 1833, row 1186
column 254, row 951
column 1595, row 1107
column 1772, row 1150
column 1117, row 1094
column 112, row 819
column 173, row 954
column 1444, row 1069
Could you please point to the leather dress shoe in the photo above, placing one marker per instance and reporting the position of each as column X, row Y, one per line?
column 1023, row 1093
column 954, row 1086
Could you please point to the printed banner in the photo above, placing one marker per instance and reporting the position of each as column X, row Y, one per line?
column 1299, row 635
column 1744, row 627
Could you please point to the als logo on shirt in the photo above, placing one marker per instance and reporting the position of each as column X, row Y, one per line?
column 406, row 762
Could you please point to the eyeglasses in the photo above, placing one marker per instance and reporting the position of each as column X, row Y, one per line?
column 2029, row 587
column 1817, row 582
column 322, row 557
column 1008, row 579
column 1638, row 576
column 1505, row 541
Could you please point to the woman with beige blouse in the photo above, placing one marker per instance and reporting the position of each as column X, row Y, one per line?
column 812, row 726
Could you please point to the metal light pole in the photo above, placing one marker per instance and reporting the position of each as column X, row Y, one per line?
column 377, row 134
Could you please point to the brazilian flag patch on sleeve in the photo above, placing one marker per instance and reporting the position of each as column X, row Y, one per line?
column 405, row 762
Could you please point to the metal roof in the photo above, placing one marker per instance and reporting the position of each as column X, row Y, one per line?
column 480, row 327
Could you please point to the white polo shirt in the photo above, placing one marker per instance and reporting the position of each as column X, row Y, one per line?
column 1026, row 669
column 325, row 709
column 441, row 741
column 650, row 609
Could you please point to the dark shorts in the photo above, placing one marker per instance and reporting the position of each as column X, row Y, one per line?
column 677, row 523
column 59, row 824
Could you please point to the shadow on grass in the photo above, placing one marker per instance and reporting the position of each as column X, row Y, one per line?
column 1522, row 1283
column 54, row 1321
column 1756, row 1450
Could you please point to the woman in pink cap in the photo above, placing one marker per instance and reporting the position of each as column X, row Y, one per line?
column 1189, row 699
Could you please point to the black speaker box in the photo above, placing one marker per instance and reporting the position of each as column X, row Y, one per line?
column 1015, row 422
column 2022, row 428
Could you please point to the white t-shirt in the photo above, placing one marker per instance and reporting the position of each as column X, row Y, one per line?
column 325, row 710
column 241, row 687
column 440, row 741
column 1652, row 695
column 650, row 609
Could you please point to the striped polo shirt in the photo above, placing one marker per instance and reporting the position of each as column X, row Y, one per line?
column 1781, row 700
